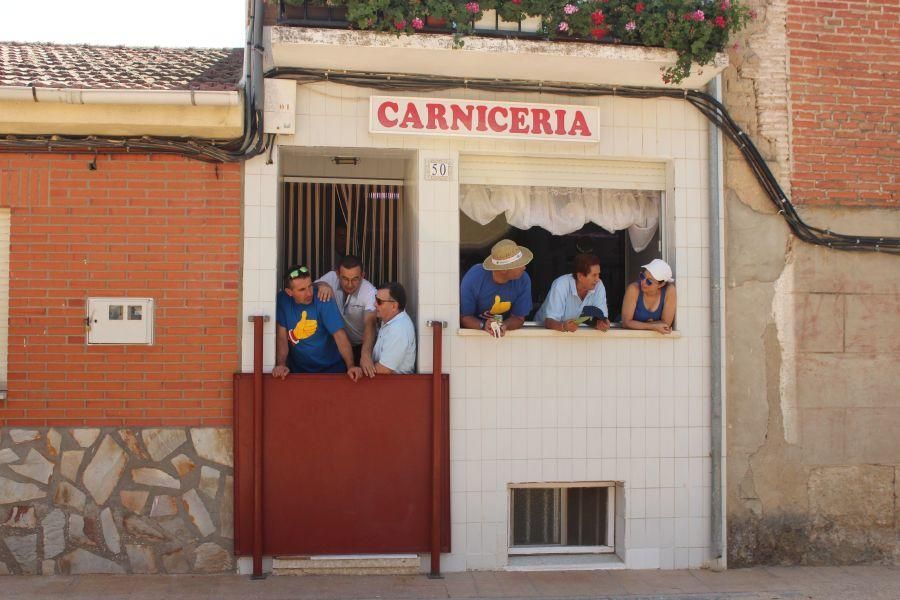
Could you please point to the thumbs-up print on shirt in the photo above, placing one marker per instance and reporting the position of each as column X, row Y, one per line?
column 499, row 307
column 304, row 329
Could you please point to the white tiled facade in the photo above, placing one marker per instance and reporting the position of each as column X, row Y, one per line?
column 628, row 407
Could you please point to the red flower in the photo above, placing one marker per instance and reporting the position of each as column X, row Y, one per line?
column 517, row 2
column 639, row 8
column 719, row 21
column 599, row 33
column 598, row 17
column 400, row 25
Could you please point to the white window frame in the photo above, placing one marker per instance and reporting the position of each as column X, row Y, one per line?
column 610, row 546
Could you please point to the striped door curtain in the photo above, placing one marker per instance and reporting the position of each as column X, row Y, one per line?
column 325, row 221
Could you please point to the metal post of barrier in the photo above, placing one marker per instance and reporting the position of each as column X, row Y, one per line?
column 437, row 474
column 257, row 444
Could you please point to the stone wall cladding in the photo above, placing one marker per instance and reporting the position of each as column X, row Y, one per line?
column 142, row 226
column 116, row 500
column 846, row 101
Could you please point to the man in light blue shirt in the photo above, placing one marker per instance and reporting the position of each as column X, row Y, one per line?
column 571, row 293
column 395, row 348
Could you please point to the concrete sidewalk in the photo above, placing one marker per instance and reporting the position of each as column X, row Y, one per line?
column 789, row 583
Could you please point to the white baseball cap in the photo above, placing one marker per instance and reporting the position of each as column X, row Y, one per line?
column 660, row 269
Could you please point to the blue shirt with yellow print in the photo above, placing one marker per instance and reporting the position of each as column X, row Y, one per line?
column 481, row 296
column 311, row 328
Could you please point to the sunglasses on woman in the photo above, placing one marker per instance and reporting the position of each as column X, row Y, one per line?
column 648, row 279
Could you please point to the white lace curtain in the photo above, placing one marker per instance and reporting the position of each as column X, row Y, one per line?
column 562, row 210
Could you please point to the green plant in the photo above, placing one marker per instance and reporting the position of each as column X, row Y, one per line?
column 695, row 29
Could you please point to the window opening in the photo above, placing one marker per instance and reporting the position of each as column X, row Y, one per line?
column 554, row 255
column 554, row 519
column 323, row 222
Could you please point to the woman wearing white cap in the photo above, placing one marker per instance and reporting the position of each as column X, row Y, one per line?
column 650, row 301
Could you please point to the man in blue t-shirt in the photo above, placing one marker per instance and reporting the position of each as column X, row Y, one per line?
column 498, row 286
column 310, row 332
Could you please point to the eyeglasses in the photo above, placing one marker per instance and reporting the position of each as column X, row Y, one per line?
column 380, row 301
column 297, row 272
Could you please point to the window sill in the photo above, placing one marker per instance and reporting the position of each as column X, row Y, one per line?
column 539, row 550
column 615, row 333
column 557, row 562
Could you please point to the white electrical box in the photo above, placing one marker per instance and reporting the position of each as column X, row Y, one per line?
column 120, row 320
column 280, row 105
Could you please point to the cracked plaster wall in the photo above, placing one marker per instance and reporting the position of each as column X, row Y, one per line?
column 812, row 398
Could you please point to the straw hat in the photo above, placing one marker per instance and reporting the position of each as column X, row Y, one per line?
column 506, row 255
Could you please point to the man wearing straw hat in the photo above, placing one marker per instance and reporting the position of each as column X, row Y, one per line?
column 499, row 288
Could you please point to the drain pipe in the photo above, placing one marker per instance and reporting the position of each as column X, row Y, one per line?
column 716, row 328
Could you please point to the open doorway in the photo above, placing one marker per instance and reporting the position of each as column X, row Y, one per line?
column 325, row 220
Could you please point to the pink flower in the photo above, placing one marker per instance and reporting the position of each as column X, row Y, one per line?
column 698, row 15
column 726, row 4
column 570, row 9
column 563, row 26
column 639, row 8
column 517, row 2
column 719, row 21
column 630, row 26
column 472, row 7
column 598, row 17
column 400, row 25
column 417, row 23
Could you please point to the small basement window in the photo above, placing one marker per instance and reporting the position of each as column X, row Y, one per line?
column 562, row 520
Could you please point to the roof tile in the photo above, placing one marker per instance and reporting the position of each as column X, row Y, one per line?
column 119, row 68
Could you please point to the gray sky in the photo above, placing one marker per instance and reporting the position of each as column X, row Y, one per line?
column 172, row 23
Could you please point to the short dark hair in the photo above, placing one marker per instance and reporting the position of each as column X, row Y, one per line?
column 296, row 272
column 350, row 262
column 397, row 292
column 584, row 262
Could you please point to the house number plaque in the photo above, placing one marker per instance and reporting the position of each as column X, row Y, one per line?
column 437, row 170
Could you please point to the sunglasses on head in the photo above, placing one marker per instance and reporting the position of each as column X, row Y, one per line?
column 297, row 272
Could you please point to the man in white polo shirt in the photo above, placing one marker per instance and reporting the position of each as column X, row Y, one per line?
column 355, row 297
column 395, row 349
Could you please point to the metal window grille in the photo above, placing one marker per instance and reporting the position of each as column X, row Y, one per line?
column 570, row 517
column 326, row 221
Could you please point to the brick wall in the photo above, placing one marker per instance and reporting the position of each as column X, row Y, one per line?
column 141, row 226
column 845, row 98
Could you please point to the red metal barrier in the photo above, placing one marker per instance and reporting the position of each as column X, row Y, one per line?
column 346, row 468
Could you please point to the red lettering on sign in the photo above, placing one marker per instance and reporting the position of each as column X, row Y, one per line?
column 411, row 117
column 560, row 122
column 436, row 116
column 493, row 123
column 382, row 114
column 540, row 121
column 462, row 117
column 517, row 120
column 579, row 125
column 482, row 124
column 487, row 119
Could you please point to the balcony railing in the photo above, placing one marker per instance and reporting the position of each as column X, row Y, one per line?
column 312, row 14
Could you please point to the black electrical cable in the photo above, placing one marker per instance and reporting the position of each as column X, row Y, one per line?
column 254, row 142
column 708, row 106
